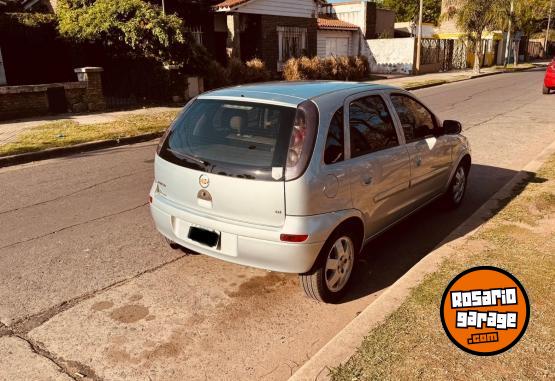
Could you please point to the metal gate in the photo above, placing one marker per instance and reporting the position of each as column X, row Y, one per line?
column 447, row 54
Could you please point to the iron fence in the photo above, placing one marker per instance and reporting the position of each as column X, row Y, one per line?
column 447, row 54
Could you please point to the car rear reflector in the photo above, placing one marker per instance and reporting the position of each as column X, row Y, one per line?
column 293, row 237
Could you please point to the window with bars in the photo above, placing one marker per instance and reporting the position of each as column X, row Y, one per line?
column 292, row 43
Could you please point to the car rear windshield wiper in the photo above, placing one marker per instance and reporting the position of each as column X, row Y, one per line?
column 185, row 156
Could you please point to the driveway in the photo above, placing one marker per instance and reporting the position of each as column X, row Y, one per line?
column 88, row 287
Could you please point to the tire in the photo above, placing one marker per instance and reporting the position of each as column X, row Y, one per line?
column 545, row 90
column 172, row 244
column 457, row 188
column 331, row 277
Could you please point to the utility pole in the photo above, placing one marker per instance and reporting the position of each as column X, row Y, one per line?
column 419, row 38
column 548, row 27
column 163, row 7
column 506, row 61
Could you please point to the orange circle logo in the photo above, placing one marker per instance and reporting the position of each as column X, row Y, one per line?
column 485, row 311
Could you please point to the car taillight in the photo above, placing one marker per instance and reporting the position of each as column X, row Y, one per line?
column 302, row 139
column 293, row 237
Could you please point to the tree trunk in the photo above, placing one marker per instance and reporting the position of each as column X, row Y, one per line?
column 477, row 55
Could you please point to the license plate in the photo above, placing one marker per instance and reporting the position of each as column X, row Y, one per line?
column 203, row 236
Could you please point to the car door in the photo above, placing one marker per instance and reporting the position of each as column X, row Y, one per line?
column 378, row 162
column 429, row 149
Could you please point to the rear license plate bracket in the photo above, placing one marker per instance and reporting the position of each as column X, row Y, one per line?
column 205, row 237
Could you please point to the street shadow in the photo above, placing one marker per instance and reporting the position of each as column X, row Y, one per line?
column 388, row 257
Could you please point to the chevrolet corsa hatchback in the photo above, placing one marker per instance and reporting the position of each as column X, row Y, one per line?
column 296, row 177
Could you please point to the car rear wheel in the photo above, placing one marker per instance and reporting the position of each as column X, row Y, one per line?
column 329, row 281
column 545, row 90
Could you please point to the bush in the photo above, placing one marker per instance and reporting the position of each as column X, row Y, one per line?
column 330, row 68
column 235, row 73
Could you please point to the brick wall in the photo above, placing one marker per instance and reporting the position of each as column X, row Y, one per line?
column 268, row 41
column 22, row 102
column 32, row 100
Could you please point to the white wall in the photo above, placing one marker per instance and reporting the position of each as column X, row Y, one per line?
column 291, row 8
column 390, row 55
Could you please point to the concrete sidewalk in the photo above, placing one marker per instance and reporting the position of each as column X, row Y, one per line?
column 9, row 130
column 435, row 79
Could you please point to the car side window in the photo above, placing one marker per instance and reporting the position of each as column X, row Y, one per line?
column 417, row 122
column 335, row 146
column 370, row 126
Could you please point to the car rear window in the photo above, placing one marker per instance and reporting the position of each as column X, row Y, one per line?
column 240, row 139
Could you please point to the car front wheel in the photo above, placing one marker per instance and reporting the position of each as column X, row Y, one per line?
column 329, row 281
column 455, row 193
column 545, row 90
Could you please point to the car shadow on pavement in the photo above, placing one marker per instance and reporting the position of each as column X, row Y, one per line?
column 388, row 257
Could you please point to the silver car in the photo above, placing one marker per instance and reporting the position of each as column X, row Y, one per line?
column 296, row 177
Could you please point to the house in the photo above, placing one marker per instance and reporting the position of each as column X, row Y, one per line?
column 373, row 22
column 337, row 38
column 344, row 28
column 410, row 29
column 273, row 31
column 492, row 41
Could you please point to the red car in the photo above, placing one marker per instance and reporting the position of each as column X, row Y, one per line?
column 549, row 80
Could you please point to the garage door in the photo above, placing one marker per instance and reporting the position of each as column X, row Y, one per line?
column 337, row 46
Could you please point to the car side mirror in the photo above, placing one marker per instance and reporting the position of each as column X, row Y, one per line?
column 452, row 127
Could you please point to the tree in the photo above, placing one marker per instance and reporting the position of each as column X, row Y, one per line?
column 529, row 16
column 408, row 10
column 132, row 26
column 474, row 17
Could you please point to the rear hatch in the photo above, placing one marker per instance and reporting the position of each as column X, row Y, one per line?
column 226, row 158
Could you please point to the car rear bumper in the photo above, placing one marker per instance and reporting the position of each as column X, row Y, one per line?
column 244, row 244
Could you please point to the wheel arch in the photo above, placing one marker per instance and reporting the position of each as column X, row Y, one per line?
column 352, row 223
column 465, row 159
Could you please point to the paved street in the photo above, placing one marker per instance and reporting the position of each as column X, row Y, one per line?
column 88, row 286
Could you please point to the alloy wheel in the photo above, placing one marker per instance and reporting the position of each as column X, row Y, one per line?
column 339, row 264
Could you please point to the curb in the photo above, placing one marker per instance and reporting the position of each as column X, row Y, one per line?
column 51, row 153
column 469, row 77
column 341, row 347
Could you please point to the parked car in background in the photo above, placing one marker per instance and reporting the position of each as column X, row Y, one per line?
column 296, row 177
column 549, row 80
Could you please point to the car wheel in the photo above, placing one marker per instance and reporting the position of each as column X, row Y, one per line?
column 545, row 90
column 172, row 244
column 457, row 188
column 329, row 281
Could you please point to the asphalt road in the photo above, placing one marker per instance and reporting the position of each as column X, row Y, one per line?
column 87, row 285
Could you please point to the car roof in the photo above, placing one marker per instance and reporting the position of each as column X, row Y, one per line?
column 290, row 92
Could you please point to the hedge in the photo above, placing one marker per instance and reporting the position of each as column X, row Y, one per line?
column 344, row 68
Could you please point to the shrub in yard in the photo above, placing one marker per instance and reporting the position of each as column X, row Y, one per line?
column 235, row 73
column 256, row 71
column 215, row 75
column 345, row 68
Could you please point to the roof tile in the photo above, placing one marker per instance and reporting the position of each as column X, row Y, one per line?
column 229, row 3
column 326, row 23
